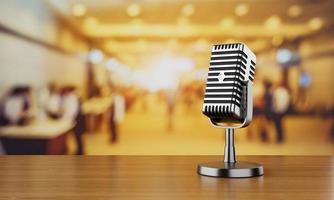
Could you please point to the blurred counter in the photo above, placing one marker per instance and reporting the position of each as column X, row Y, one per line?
column 38, row 137
column 47, row 129
column 96, row 105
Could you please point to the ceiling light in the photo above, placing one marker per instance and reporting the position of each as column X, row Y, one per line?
column 241, row 9
column 294, row 10
column 227, row 22
column 133, row 10
column 316, row 23
column 79, row 10
column 95, row 56
column 273, row 22
column 188, row 10
column 284, row 56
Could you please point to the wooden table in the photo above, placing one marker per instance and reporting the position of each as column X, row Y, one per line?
column 39, row 137
column 161, row 177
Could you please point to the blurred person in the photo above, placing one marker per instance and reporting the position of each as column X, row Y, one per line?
column 280, row 106
column 143, row 98
column 17, row 105
column 130, row 96
column 53, row 102
column 117, row 111
column 169, row 97
column 268, row 99
column 332, row 128
column 304, row 83
column 3, row 120
column 277, row 102
column 189, row 95
column 70, row 109
column 258, row 109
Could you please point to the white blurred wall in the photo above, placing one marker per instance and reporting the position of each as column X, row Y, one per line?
column 25, row 62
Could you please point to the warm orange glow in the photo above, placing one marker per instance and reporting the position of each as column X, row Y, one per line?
column 79, row 10
column 273, row 22
column 316, row 23
column 133, row 10
column 295, row 10
column 152, row 58
column 241, row 9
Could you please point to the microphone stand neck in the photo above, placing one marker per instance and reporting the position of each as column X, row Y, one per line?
column 229, row 154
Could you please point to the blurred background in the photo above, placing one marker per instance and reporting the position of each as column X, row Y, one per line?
column 127, row 77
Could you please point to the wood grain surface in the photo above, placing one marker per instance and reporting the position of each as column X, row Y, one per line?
column 161, row 177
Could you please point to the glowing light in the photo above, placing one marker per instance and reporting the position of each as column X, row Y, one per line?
column 305, row 79
column 273, row 22
column 188, row 10
column 284, row 56
column 79, row 10
column 201, row 74
column 95, row 56
column 316, row 23
column 133, row 10
column 163, row 73
column 295, row 11
column 241, row 9
column 121, row 73
column 227, row 22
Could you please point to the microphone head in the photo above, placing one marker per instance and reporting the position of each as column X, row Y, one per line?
column 231, row 67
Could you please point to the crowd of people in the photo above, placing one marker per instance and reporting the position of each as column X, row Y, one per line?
column 21, row 107
column 56, row 103
column 272, row 103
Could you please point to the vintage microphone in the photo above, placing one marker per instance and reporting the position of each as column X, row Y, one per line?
column 228, row 104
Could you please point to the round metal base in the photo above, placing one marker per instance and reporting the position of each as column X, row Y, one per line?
column 230, row 170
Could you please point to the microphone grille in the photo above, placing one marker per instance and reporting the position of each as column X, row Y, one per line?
column 231, row 66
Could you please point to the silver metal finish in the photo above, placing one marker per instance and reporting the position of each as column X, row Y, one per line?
column 229, row 155
column 232, row 66
column 247, row 109
column 228, row 104
column 230, row 170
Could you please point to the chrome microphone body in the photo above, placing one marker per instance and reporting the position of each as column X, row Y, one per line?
column 231, row 67
column 228, row 104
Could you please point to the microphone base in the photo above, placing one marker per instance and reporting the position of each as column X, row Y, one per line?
column 238, row 169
